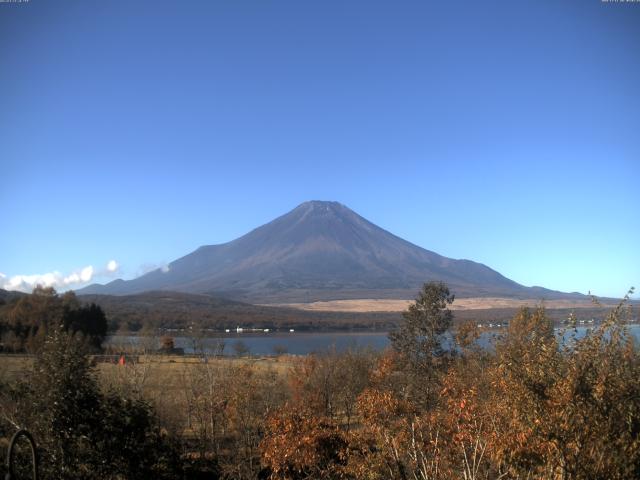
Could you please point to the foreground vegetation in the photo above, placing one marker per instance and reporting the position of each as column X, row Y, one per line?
column 530, row 408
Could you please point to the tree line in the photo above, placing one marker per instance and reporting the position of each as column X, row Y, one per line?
column 26, row 321
column 530, row 407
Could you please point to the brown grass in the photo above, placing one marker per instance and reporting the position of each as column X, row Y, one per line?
column 162, row 371
column 396, row 305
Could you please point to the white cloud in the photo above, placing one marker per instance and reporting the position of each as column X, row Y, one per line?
column 112, row 266
column 165, row 268
column 86, row 273
column 26, row 283
column 71, row 279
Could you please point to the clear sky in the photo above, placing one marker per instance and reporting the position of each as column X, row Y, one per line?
column 506, row 132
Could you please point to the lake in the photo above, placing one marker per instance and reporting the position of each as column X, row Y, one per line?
column 298, row 343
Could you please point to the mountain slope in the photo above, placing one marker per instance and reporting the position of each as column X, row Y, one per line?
column 319, row 250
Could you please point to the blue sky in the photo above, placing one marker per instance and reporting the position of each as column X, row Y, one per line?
column 504, row 132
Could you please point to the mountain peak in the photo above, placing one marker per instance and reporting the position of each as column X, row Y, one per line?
column 320, row 203
column 319, row 213
column 320, row 250
column 319, row 206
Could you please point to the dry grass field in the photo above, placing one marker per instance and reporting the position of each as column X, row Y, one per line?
column 396, row 305
column 14, row 366
column 159, row 373
column 172, row 384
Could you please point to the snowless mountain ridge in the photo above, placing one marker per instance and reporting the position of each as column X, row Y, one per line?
column 320, row 251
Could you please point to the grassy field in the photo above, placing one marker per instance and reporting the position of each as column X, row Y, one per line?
column 364, row 305
column 161, row 372
column 13, row 367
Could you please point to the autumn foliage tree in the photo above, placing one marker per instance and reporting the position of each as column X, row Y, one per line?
column 567, row 412
column 299, row 445
column 537, row 403
column 26, row 321
column 531, row 406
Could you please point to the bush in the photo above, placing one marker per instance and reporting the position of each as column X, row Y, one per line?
column 83, row 433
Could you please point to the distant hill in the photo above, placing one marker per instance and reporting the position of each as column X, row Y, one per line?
column 176, row 310
column 8, row 295
column 163, row 309
column 320, row 251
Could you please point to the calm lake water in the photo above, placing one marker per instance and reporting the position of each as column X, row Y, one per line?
column 299, row 343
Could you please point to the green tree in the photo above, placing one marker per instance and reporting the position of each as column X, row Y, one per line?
column 419, row 340
column 89, row 320
column 425, row 322
column 64, row 405
column 83, row 433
